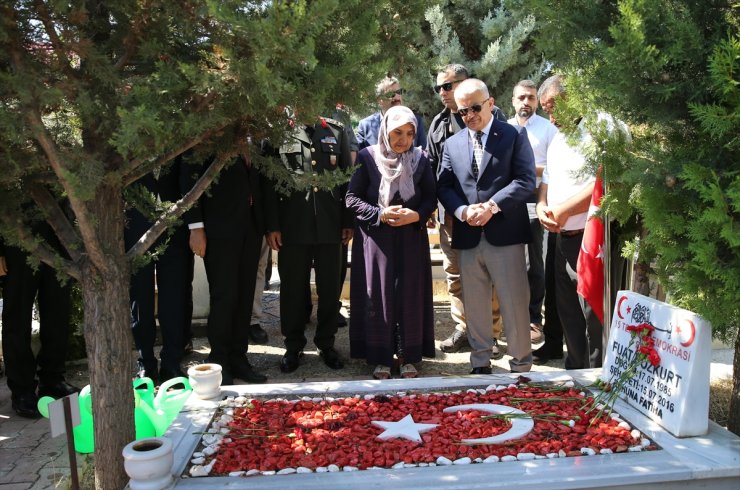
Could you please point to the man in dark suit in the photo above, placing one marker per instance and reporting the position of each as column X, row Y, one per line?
column 229, row 240
column 486, row 177
column 174, row 277
column 309, row 225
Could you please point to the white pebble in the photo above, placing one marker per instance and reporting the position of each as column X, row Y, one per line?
column 442, row 461
column 401, row 393
column 253, row 472
column 410, row 465
column 303, row 469
column 224, row 430
column 569, row 384
column 225, row 419
column 236, row 473
column 511, row 385
column 229, row 412
column 525, row 456
column 491, row 459
column 587, row 451
column 644, row 442
column 316, row 399
column 330, row 399
column 369, row 397
column 539, row 456
column 268, row 473
column 635, row 434
column 464, row 460
column 624, row 425
column 286, row 471
column 423, row 465
column 322, row 469
column 562, row 454
column 508, row 458
column 634, row 449
column 350, row 468
column 333, row 468
column 198, row 470
column 241, row 399
column 197, row 454
column 583, row 393
column 432, row 464
column 376, row 468
column 478, row 460
column 481, row 391
column 210, row 451
column 491, row 387
column 606, row 450
column 200, row 460
column 398, row 465
column 552, row 455
column 471, row 390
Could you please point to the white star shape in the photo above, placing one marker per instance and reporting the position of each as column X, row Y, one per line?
column 405, row 428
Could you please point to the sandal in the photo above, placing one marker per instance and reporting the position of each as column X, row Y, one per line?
column 382, row 372
column 409, row 371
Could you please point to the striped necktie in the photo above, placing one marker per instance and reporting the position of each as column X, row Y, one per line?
column 477, row 152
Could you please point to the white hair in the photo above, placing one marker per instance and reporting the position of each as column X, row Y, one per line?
column 471, row 86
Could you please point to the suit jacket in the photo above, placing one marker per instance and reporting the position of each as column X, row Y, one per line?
column 311, row 215
column 233, row 199
column 368, row 129
column 507, row 176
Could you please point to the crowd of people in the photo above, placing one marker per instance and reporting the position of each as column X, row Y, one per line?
column 506, row 195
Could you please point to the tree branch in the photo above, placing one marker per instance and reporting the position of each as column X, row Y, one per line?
column 45, row 253
column 59, row 48
column 174, row 211
column 136, row 168
column 57, row 220
column 80, row 209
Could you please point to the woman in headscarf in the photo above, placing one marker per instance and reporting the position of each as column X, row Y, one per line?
column 392, row 193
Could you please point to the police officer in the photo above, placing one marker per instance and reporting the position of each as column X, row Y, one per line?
column 308, row 226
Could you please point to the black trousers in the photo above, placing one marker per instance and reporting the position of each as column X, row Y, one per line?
column 173, row 274
column 294, row 266
column 581, row 326
column 553, row 329
column 231, row 267
column 22, row 286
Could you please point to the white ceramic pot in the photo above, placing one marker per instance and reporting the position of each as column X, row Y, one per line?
column 148, row 462
column 205, row 379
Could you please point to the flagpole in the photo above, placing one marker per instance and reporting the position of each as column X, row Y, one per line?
column 607, row 276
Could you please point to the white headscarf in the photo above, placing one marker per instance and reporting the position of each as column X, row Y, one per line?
column 397, row 171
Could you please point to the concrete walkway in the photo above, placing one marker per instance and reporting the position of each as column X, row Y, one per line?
column 31, row 459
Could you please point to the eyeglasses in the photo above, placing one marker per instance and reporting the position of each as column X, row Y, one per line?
column 447, row 86
column 390, row 95
column 475, row 108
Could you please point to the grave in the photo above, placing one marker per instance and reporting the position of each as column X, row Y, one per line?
column 711, row 460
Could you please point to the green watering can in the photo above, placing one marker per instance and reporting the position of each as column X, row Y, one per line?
column 152, row 414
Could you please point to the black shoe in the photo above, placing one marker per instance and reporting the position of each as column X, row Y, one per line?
column 226, row 377
column 25, row 405
column 542, row 355
column 481, row 370
column 257, row 334
column 147, row 370
column 188, row 349
column 454, row 342
column 60, row 389
column 290, row 361
column 244, row 371
column 167, row 374
column 341, row 320
column 331, row 358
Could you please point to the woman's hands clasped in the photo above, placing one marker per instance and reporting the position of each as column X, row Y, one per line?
column 398, row 216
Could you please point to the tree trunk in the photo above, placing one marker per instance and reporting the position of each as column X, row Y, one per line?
column 107, row 334
column 641, row 278
column 733, row 422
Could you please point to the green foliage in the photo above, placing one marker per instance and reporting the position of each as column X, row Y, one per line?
column 670, row 70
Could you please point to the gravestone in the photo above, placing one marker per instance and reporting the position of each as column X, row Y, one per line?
column 675, row 393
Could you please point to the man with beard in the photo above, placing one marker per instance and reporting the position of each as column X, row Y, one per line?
column 389, row 94
column 540, row 132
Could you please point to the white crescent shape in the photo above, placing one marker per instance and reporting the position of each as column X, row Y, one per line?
column 520, row 427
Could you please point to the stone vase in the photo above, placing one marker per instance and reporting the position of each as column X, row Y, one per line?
column 205, row 379
column 148, row 462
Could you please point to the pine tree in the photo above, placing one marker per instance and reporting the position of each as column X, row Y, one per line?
column 95, row 94
column 670, row 70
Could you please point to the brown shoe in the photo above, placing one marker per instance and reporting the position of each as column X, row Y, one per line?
column 454, row 342
column 535, row 333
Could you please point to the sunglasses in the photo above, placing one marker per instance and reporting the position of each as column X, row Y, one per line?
column 446, row 86
column 390, row 95
column 474, row 108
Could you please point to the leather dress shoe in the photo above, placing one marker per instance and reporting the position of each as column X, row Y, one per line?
column 244, row 371
column 290, row 361
column 542, row 355
column 147, row 370
column 257, row 334
column 341, row 320
column 25, row 405
column 481, row 370
column 496, row 352
column 167, row 374
column 535, row 333
column 60, row 389
column 226, row 377
column 188, row 349
column 454, row 342
column 331, row 358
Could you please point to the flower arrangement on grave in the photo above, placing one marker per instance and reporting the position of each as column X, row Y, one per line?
column 520, row 421
column 643, row 343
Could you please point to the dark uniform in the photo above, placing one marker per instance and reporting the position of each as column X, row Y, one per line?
column 310, row 221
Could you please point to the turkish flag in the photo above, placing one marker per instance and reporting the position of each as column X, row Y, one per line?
column 590, row 268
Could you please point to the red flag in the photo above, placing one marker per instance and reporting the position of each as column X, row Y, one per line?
column 590, row 268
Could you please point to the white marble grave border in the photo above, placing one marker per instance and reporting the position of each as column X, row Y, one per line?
column 710, row 461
